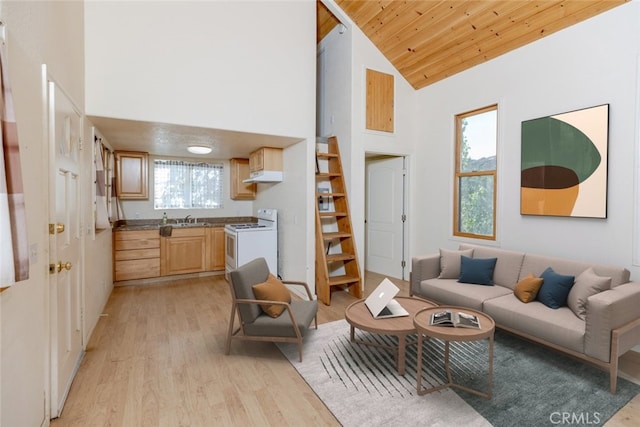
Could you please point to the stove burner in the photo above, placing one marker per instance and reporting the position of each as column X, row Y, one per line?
column 242, row 226
column 250, row 225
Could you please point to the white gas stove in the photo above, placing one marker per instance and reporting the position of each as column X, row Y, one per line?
column 247, row 241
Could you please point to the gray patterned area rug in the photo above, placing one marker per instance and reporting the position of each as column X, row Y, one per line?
column 532, row 385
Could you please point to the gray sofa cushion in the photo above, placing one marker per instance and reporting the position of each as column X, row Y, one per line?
column 587, row 283
column 507, row 269
column 560, row 327
column 450, row 262
column 536, row 264
column 450, row 291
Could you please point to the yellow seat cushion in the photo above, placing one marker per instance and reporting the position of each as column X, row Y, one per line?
column 272, row 290
column 527, row 289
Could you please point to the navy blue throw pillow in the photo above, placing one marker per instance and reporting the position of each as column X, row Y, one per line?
column 478, row 271
column 555, row 288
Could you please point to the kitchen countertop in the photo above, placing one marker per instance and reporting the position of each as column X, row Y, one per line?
column 154, row 224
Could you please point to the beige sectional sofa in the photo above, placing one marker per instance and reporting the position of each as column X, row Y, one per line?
column 611, row 315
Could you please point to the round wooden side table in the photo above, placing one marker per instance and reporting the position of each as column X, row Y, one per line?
column 358, row 316
column 486, row 330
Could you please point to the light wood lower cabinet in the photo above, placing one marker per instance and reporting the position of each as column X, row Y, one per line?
column 183, row 252
column 215, row 249
column 144, row 254
column 136, row 254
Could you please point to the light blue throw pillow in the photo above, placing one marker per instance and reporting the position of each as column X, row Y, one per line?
column 478, row 271
column 555, row 289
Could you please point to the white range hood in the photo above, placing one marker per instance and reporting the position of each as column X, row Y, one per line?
column 264, row 176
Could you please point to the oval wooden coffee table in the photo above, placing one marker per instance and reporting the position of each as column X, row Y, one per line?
column 487, row 328
column 359, row 316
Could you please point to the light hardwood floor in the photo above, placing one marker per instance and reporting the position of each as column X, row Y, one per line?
column 156, row 358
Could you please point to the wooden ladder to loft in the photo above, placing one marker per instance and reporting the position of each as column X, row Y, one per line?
column 336, row 258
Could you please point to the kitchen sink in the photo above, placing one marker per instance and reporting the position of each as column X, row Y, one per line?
column 188, row 224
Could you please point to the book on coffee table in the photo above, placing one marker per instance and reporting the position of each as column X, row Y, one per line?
column 456, row 319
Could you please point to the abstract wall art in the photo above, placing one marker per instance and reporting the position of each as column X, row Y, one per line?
column 564, row 164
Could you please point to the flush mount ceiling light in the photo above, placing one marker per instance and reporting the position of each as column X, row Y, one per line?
column 199, row 149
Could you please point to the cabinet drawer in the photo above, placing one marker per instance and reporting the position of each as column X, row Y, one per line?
column 135, row 235
column 138, row 254
column 123, row 245
column 137, row 269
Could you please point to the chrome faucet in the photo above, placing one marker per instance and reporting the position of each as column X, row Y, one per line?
column 186, row 218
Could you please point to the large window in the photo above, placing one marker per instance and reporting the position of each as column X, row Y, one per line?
column 178, row 184
column 476, row 174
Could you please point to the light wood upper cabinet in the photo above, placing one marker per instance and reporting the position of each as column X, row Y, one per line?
column 239, row 172
column 131, row 175
column 266, row 158
column 183, row 252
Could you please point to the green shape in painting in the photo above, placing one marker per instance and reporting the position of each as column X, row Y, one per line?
column 551, row 142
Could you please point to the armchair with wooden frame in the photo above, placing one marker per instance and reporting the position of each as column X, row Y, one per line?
column 256, row 325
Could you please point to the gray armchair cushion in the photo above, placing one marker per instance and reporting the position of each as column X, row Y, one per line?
column 303, row 312
column 242, row 280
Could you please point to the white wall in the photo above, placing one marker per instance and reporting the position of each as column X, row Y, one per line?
column 589, row 64
column 334, row 112
column 98, row 253
column 216, row 64
column 247, row 66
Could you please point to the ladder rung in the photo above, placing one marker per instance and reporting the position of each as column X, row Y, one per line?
column 330, row 194
column 332, row 214
column 340, row 257
column 335, row 235
column 328, row 174
column 326, row 155
column 343, row 280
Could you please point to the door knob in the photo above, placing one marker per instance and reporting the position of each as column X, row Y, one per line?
column 56, row 228
column 66, row 266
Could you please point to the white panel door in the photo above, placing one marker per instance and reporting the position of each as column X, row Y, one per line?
column 385, row 181
column 65, row 130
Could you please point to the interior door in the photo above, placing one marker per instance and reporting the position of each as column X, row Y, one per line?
column 385, row 216
column 65, row 131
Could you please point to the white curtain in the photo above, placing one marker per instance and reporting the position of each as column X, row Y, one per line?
column 114, row 202
column 180, row 184
column 102, row 218
column 14, row 252
column 7, row 271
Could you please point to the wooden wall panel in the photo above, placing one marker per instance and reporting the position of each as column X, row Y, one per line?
column 380, row 101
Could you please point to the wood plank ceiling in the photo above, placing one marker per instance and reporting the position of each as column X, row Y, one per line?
column 431, row 40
